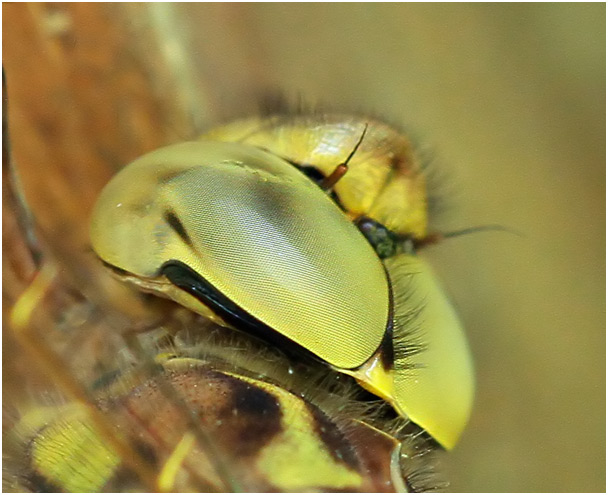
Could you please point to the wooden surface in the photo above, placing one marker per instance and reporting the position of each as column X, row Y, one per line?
column 509, row 97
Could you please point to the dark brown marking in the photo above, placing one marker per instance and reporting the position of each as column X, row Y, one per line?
column 252, row 400
column 38, row 483
column 374, row 449
column 146, row 451
column 252, row 418
column 178, row 227
column 123, row 480
column 336, row 442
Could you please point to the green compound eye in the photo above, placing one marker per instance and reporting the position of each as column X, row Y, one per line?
column 241, row 236
column 256, row 240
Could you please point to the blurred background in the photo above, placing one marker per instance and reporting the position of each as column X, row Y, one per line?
column 508, row 98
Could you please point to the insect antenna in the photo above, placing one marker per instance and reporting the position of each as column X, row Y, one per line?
column 436, row 237
column 332, row 179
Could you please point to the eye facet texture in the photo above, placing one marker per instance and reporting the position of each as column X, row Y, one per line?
column 269, row 240
column 384, row 180
column 257, row 230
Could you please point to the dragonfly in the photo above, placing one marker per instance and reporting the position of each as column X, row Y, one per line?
column 204, row 389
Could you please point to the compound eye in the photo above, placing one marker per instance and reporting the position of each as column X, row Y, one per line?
column 434, row 387
column 384, row 181
column 257, row 238
column 229, row 230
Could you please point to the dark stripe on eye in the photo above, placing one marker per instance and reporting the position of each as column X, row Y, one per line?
column 188, row 280
column 178, row 227
column 193, row 283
